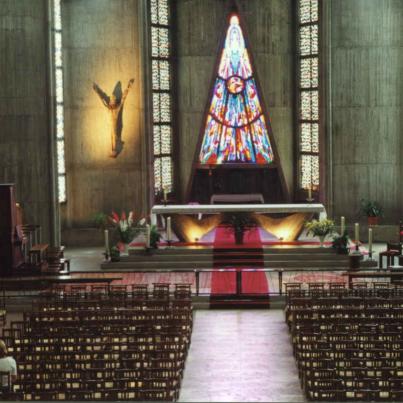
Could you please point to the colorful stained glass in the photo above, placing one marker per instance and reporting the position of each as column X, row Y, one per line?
column 235, row 130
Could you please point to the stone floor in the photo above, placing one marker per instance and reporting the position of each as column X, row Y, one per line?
column 240, row 355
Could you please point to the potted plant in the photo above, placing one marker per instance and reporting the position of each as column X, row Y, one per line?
column 155, row 237
column 125, row 227
column 340, row 243
column 239, row 223
column 320, row 228
column 115, row 254
column 372, row 210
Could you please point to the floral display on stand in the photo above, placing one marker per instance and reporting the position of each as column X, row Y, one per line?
column 125, row 228
column 320, row 228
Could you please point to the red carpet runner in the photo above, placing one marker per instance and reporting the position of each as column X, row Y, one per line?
column 224, row 282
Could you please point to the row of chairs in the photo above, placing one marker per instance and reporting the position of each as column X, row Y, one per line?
column 348, row 345
column 110, row 350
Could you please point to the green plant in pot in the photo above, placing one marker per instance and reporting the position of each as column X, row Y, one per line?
column 115, row 254
column 155, row 237
column 340, row 243
column 239, row 223
column 372, row 210
column 320, row 228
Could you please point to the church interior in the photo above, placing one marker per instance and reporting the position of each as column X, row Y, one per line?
column 201, row 200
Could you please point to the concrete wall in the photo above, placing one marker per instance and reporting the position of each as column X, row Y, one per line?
column 200, row 24
column 25, row 156
column 366, row 98
column 102, row 45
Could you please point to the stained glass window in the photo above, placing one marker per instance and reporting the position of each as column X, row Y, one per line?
column 161, row 81
column 308, row 40
column 236, row 130
column 58, row 79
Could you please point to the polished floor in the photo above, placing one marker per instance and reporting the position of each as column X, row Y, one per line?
column 240, row 356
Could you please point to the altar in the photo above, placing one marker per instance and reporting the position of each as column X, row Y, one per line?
column 190, row 222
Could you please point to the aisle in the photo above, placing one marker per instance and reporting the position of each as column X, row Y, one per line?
column 240, row 355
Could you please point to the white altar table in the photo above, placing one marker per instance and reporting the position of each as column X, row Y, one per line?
column 222, row 208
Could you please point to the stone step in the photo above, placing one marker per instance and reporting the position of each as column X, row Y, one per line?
column 208, row 265
column 209, row 250
column 160, row 258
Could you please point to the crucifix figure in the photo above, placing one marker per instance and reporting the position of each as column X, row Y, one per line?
column 115, row 105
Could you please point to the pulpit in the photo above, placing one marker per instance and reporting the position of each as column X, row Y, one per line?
column 11, row 255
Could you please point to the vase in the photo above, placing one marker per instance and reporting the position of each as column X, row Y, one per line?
column 322, row 240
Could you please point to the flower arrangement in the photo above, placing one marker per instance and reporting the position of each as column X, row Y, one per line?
column 320, row 228
column 124, row 226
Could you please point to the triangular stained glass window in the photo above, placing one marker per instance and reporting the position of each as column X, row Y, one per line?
column 236, row 130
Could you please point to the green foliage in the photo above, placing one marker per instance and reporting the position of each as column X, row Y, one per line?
column 320, row 228
column 100, row 220
column 371, row 208
column 115, row 253
column 239, row 221
column 340, row 243
column 155, row 236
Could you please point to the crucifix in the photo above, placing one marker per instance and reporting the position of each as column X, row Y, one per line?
column 115, row 103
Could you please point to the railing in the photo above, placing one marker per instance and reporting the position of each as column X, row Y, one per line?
column 201, row 279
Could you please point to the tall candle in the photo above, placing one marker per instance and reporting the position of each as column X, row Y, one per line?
column 169, row 229
column 148, row 235
column 310, row 191
column 342, row 225
column 356, row 232
column 165, row 194
column 106, row 235
column 370, row 241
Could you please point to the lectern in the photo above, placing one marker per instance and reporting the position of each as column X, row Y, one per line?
column 11, row 255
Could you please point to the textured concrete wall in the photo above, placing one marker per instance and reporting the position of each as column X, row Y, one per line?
column 366, row 98
column 24, row 128
column 200, row 24
column 102, row 45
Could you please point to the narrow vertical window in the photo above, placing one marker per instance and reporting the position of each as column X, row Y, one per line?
column 308, row 118
column 161, row 79
column 58, row 80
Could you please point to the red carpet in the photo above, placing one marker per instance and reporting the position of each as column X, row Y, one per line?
column 223, row 281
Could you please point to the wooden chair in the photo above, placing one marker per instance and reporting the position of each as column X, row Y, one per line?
column 393, row 249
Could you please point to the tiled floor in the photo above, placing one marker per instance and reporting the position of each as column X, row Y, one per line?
column 240, row 355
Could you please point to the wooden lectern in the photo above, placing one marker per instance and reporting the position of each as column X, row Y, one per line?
column 11, row 255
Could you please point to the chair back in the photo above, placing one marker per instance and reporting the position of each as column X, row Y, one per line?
column 394, row 246
column 5, row 381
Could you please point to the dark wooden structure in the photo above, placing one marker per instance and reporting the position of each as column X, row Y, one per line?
column 11, row 256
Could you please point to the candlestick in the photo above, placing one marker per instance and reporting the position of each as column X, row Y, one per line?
column 310, row 192
column 357, row 232
column 106, row 235
column 169, row 229
column 370, row 242
column 342, row 225
column 148, row 236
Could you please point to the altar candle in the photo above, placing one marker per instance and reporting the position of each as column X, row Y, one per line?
column 356, row 232
column 370, row 241
column 169, row 229
column 165, row 194
column 106, row 234
column 310, row 191
column 148, row 235
column 342, row 225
